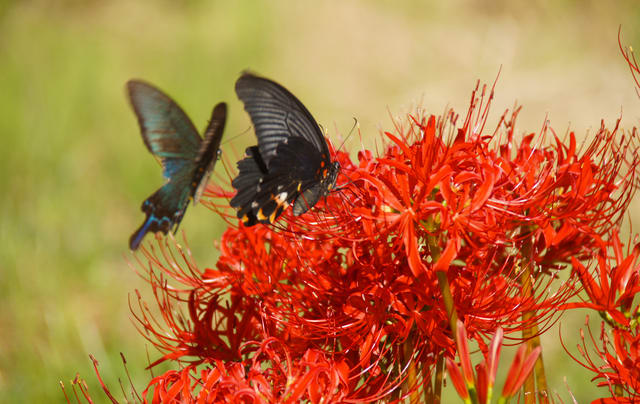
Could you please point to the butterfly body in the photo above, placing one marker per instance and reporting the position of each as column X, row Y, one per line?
column 291, row 164
column 187, row 159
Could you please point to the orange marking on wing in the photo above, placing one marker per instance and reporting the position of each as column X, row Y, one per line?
column 261, row 215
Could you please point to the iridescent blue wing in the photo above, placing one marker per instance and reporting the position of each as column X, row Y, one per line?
column 165, row 207
column 169, row 134
column 166, row 130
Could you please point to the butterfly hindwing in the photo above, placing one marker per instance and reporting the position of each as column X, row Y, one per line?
column 298, row 153
column 290, row 164
column 187, row 160
column 262, row 198
column 165, row 207
column 251, row 171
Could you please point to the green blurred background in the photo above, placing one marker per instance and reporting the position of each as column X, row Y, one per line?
column 73, row 168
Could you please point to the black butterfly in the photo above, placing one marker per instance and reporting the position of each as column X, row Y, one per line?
column 291, row 163
column 187, row 159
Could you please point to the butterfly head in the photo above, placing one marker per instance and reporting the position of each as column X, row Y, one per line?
column 329, row 180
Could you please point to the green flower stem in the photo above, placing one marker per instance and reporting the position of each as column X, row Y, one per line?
column 448, row 301
column 530, row 334
column 452, row 315
column 411, row 382
column 443, row 282
column 437, row 393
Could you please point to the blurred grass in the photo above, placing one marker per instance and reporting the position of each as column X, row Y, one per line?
column 74, row 171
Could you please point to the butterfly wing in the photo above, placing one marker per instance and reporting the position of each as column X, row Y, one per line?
column 169, row 134
column 291, row 159
column 264, row 193
column 165, row 207
column 166, row 129
column 208, row 153
column 251, row 171
column 277, row 115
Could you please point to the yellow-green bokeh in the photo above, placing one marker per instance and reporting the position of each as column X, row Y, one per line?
column 73, row 169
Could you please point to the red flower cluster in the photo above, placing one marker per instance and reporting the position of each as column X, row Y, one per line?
column 617, row 362
column 344, row 302
column 352, row 301
column 613, row 293
column 611, row 283
column 266, row 375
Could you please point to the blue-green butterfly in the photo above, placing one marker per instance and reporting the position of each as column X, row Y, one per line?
column 187, row 159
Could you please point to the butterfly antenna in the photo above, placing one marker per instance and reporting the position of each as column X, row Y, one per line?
column 226, row 165
column 244, row 132
column 356, row 124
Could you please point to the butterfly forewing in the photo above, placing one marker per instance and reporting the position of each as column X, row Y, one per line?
column 208, row 153
column 277, row 115
column 166, row 130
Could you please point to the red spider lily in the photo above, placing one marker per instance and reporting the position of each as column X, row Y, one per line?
column 344, row 302
column 617, row 283
column 267, row 375
column 479, row 388
column 612, row 292
column 215, row 326
column 425, row 198
column 343, row 322
column 611, row 289
column 630, row 58
column 619, row 355
column 356, row 277
column 216, row 329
